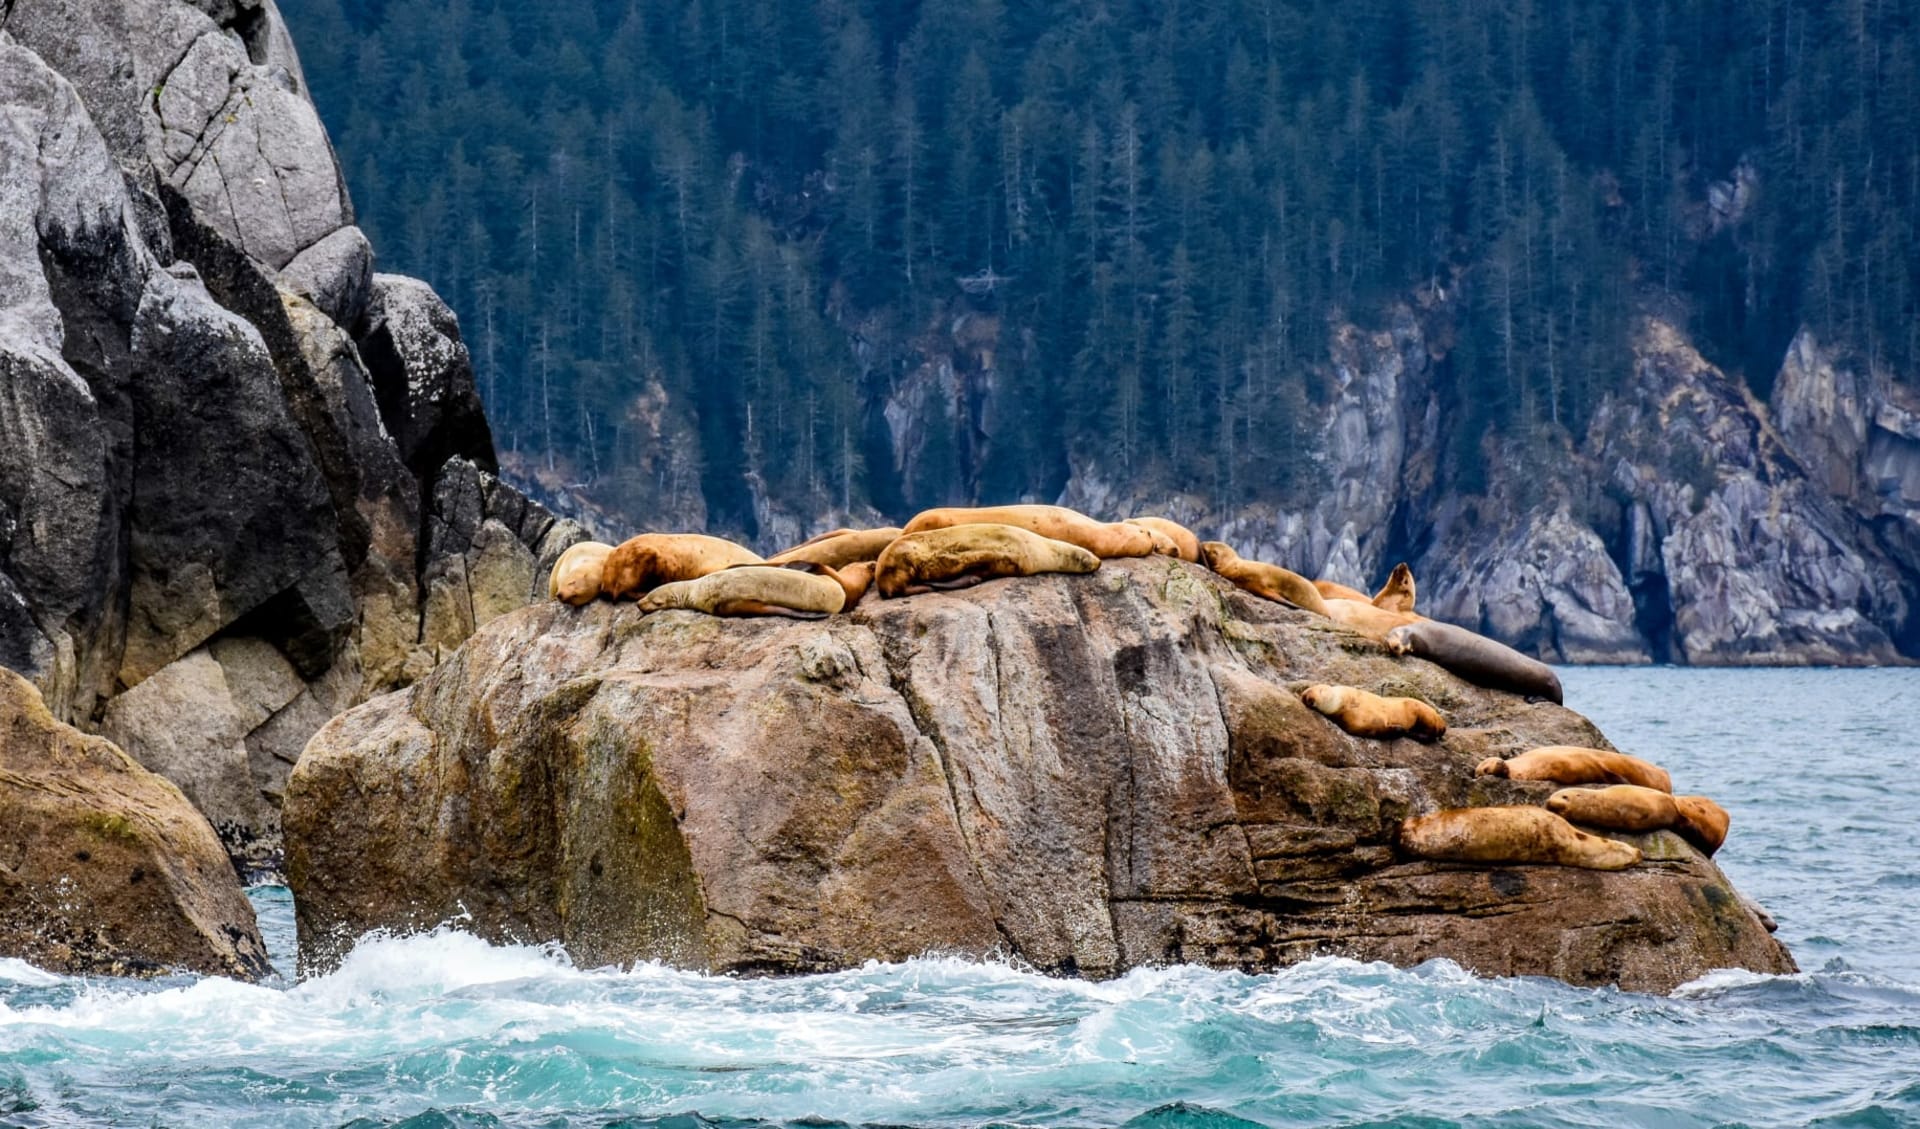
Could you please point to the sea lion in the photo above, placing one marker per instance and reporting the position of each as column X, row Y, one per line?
column 1397, row 594
column 1362, row 616
column 575, row 578
column 1365, row 714
column 1333, row 590
column 640, row 564
column 1475, row 658
column 958, row 556
column 1702, row 822
column 1105, row 540
column 1511, row 835
column 1267, row 581
column 854, row 580
column 1619, row 807
column 1571, row 764
column 806, row 592
column 1184, row 544
column 840, row 548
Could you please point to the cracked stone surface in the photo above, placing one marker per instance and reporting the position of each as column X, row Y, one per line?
column 1088, row 773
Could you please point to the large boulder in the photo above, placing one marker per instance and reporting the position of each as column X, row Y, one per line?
column 1087, row 773
column 108, row 869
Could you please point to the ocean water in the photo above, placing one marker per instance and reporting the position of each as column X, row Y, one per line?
column 1817, row 767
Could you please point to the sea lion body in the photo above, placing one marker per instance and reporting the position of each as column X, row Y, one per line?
column 1362, row 616
column 640, row 564
column 1105, row 540
column 1702, row 822
column 1183, row 543
column 854, row 580
column 1364, row 714
column 1476, row 658
column 840, row 548
column 752, row 590
column 1333, row 590
column 1397, row 594
column 1267, row 581
column 1573, row 765
column 958, row 555
column 1509, row 836
column 576, row 576
column 1618, row 807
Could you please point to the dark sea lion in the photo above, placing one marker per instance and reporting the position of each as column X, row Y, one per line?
column 1105, row 540
column 640, row 564
column 961, row 555
column 576, row 576
column 1510, row 836
column 1365, row 714
column 1476, row 658
column 1572, row 765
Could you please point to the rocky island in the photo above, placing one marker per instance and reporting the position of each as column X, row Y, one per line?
column 1086, row 773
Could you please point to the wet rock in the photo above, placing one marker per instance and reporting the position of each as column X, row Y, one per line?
column 107, row 869
column 1088, row 773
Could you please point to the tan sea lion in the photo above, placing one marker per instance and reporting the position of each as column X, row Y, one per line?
column 1476, row 658
column 641, row 564
column 1571, row 764
column 959, row 556
column 1511, row 835
column 1105, row 540
column 575, row 578
column 1333, row 590
column 1619, row 807
column 1362, row 616
column 1397, row 594
column 1183, row 543
column 1267, row 581
column 854, row 580
column 1702, row 822
column 806, row 592
column 1365, row 714
column 840, row 548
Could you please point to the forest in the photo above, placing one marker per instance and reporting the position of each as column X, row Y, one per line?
column 744, row 216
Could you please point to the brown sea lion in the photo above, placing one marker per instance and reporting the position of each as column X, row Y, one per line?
column 641, row 564
column 1264, row 580
column 808, row 592
column 1182, row 541
column 1511, row 835
column 1476, row 658
column 957, row 556
column 854, row 580
column 1334, row 590
column 1362, row 616
column 840, row 548
column 1397, row 594
column 1571, row 764
column 1105, row 540
column 1365, row 714
column 575, row 578
column 1619, row 807
column 1702, row 822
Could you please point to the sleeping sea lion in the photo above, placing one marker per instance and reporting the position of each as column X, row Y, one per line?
column 1475, row 658
column 808, row 592
column 1618, row 807
column 1181, row 539
column 1365, row 714
column 1571, row 764
column 1362, row 616
column 961, row 555
column 840, row 548
column 641, row 564
column 1702, row 822
column 1267, row 581
column 1103, row 539
column 575, row 578
column 1397, row 594
column 854, row 580
column 1511, row 835
column 1334, row 590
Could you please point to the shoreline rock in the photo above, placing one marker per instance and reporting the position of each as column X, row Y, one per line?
column 1086, row 773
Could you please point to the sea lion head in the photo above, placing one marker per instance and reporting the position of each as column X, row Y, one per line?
column 856, row 578
column 1213, row 554
column 1560, row 802
column 1326, row 699
column 1399, row 641
column 629, row 571
column 1162, row 544
column 1492, row 766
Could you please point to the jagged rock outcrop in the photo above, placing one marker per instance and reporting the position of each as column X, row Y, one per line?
column 107, row 869
column 217, row 525
column 1088, row 773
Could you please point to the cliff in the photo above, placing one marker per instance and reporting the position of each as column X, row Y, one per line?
column 1085, row 773
column 245, row 481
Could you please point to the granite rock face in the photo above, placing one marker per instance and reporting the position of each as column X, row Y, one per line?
column 217, row 522
column 108, row 870
column 1087, row 773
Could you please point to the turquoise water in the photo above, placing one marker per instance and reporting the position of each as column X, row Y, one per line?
column 444, row 1030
